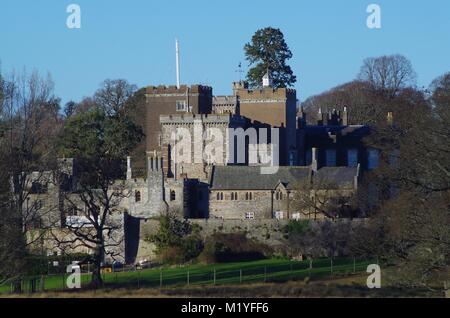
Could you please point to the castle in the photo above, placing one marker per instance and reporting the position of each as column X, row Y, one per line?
column 226, row 188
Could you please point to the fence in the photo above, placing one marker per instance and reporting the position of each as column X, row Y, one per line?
column 218, row 274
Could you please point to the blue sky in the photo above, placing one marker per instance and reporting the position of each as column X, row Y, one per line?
column 134, row 39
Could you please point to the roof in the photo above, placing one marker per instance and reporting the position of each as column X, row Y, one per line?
column 353, row 130
column 250, row 177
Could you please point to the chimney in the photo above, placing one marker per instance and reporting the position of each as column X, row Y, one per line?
column 314, row 159
column 345, row 117
column 320, row 117
column 390, row 118
column 128, row 168
column 301, row 118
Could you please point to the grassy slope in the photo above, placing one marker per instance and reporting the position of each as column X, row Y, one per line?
column 229, row 273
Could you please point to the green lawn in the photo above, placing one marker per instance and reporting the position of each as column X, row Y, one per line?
column 225, row 273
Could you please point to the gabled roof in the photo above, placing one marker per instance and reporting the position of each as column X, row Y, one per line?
column 250, row 177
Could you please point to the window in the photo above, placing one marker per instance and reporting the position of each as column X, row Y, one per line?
column 72, row 211
column 352, row 157
column 38, row 188
column 279, row 215
column 234, row 196
column 393, row 158
column 181, row 106
column 249, row 215
column 308, row 157
column 279, row 195
column 291, row 158
column 172, row 195
column 372, row 159
column 248, row 196
column 331, row 158
column 137, row 196
column 219, row 196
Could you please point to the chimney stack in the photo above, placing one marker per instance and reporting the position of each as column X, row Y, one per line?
column 301, row 118
column 314, row 159
column 390, row 118
column 320, row 117
column 345, row 117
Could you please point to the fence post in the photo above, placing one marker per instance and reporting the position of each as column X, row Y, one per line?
column 139, row 279
column 214, row 277
column 42, row 287
column 160, row 278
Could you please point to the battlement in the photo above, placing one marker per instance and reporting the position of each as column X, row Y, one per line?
column 266, row 93
column 219, row 100
column 172, row 89
column 191, row 118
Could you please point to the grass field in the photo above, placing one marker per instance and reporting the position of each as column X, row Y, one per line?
column 271, row 270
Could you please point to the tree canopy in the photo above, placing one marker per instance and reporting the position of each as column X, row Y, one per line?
column 268, row 52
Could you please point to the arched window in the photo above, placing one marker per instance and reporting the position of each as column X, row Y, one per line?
column 235, row 196
column 221, row 195
column 250, row 196
column 172, row 195
column 246, row 196
column 232, row 196
column 218, row 196
column 137, row 196
column 279, row 195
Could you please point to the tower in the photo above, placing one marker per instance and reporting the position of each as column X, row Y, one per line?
column 266, row 80
column 155, row 180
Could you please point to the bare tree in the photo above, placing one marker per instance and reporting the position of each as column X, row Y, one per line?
column 364, row 104
column 388, row 73
column 114, row 95
column 30, row 122
column 99, row 140
column 319, row 198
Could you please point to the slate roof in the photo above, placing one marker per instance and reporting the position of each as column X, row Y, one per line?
column 351, row 130
column 250, row 177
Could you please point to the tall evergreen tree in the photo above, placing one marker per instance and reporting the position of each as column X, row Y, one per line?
column 268, row 52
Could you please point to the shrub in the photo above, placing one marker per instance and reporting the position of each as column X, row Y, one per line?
column 177, row 240
column 232, row 247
